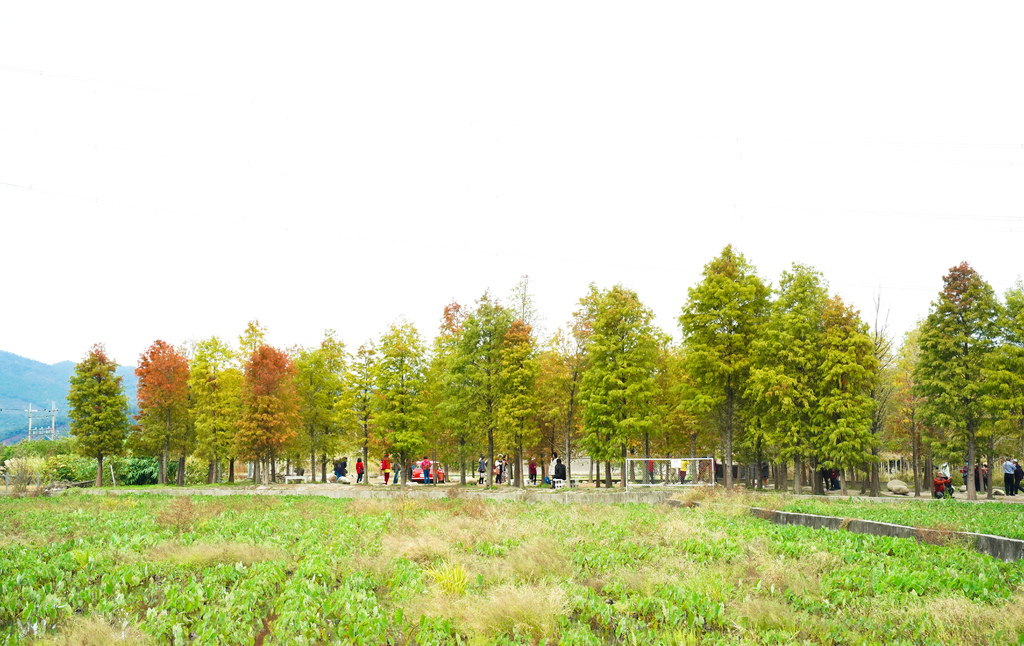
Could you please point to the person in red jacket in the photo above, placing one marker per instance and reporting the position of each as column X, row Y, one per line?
column 943, row 485
column 359, row 470
column 385, row 467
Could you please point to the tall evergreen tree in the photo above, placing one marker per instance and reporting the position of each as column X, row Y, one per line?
column 844, row 404
column 163, row 397
column 519, row 369
column 619, row 387
column 786, row 361
column 721, row 320
column 270, row 406
column 401, row 410
column 957, row 341
column 320, row 383
column 476, row 369
column 358, row 405
column 215, row 384
column 451, row 429
column 98, row 408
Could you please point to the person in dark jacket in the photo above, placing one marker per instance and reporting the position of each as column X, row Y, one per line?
column 1018, row 475
column 559, row 470
column 344, row 467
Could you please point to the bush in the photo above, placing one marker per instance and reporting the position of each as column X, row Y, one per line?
column 24, row 471
column 68, row 467
column 138, row 471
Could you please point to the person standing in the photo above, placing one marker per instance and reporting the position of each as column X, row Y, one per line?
column 533, row 471
column 425, row 468
column 1008, row 479
column 359, row 470
column 337, row 470
column 344, row 468
column 385, row 467
column 481, row 469
column 1018, row 475
column 551, row 468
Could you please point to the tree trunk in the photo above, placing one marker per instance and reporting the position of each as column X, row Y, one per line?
column 623, row 475
column 972, row 494
column 181, row 471
column 798, row 472
column 991, row 462
column 875, row 480
column 231, row 471
column 462, row 462
column 608, row 474
column 162, row 477
column 366, row 465
column 323, row 469
column 490, row 457
column 519, row 461
column 916, row 458
column 312, row 457
column 211, row 472
column 99, row 469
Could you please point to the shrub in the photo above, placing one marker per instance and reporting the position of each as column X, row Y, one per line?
column 23, row 471
column 139, row 471
column 68, row 467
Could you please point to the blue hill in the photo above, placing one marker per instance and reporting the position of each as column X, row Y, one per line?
column 24, row 381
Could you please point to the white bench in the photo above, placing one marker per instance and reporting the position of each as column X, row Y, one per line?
column 288, row 479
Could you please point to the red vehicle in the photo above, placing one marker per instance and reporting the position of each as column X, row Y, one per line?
column 435, row 472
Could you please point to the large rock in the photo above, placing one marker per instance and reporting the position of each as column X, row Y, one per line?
column 898, row 487
column 998, row 492
column 331, row 477
column 962, row 488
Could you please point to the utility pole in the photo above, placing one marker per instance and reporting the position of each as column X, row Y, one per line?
column 29, row 411
column 53, row 421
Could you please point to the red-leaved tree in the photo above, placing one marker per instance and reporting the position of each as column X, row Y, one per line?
column 270, row 406
column 163, row 405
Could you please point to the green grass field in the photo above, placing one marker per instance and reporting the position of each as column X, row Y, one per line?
column 152, row 569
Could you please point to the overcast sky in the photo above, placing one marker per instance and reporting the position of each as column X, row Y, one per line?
column 174, row 170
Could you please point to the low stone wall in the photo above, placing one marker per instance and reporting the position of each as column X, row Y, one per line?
column 1000, row 547
column 426, row 493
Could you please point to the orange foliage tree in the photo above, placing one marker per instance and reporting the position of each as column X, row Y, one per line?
column 270, row 406
column 163, row 405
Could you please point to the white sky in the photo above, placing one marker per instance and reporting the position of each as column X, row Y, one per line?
column 174, row 170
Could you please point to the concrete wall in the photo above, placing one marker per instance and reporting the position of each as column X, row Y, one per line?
column 1000, row 547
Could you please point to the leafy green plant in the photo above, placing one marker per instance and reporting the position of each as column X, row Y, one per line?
column 450, row 578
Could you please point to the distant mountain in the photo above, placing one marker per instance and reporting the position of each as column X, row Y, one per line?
column 24, row 381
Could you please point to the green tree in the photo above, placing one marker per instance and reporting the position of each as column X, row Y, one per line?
column 844, row 403
column 215, row 383
column 401, row 410
column 957, row 341
column 320, row 383
column 907, row 424
column 476, row 371
column 722, row 318
column 450, row 429
column 519, row 369
column 619, row 387
column 358, row 405
column 785, row 368
column 98, row 408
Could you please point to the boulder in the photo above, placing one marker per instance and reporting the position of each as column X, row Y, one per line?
column 898, row 487
column 331, row 477
column 998, row 492
column 962, row 488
